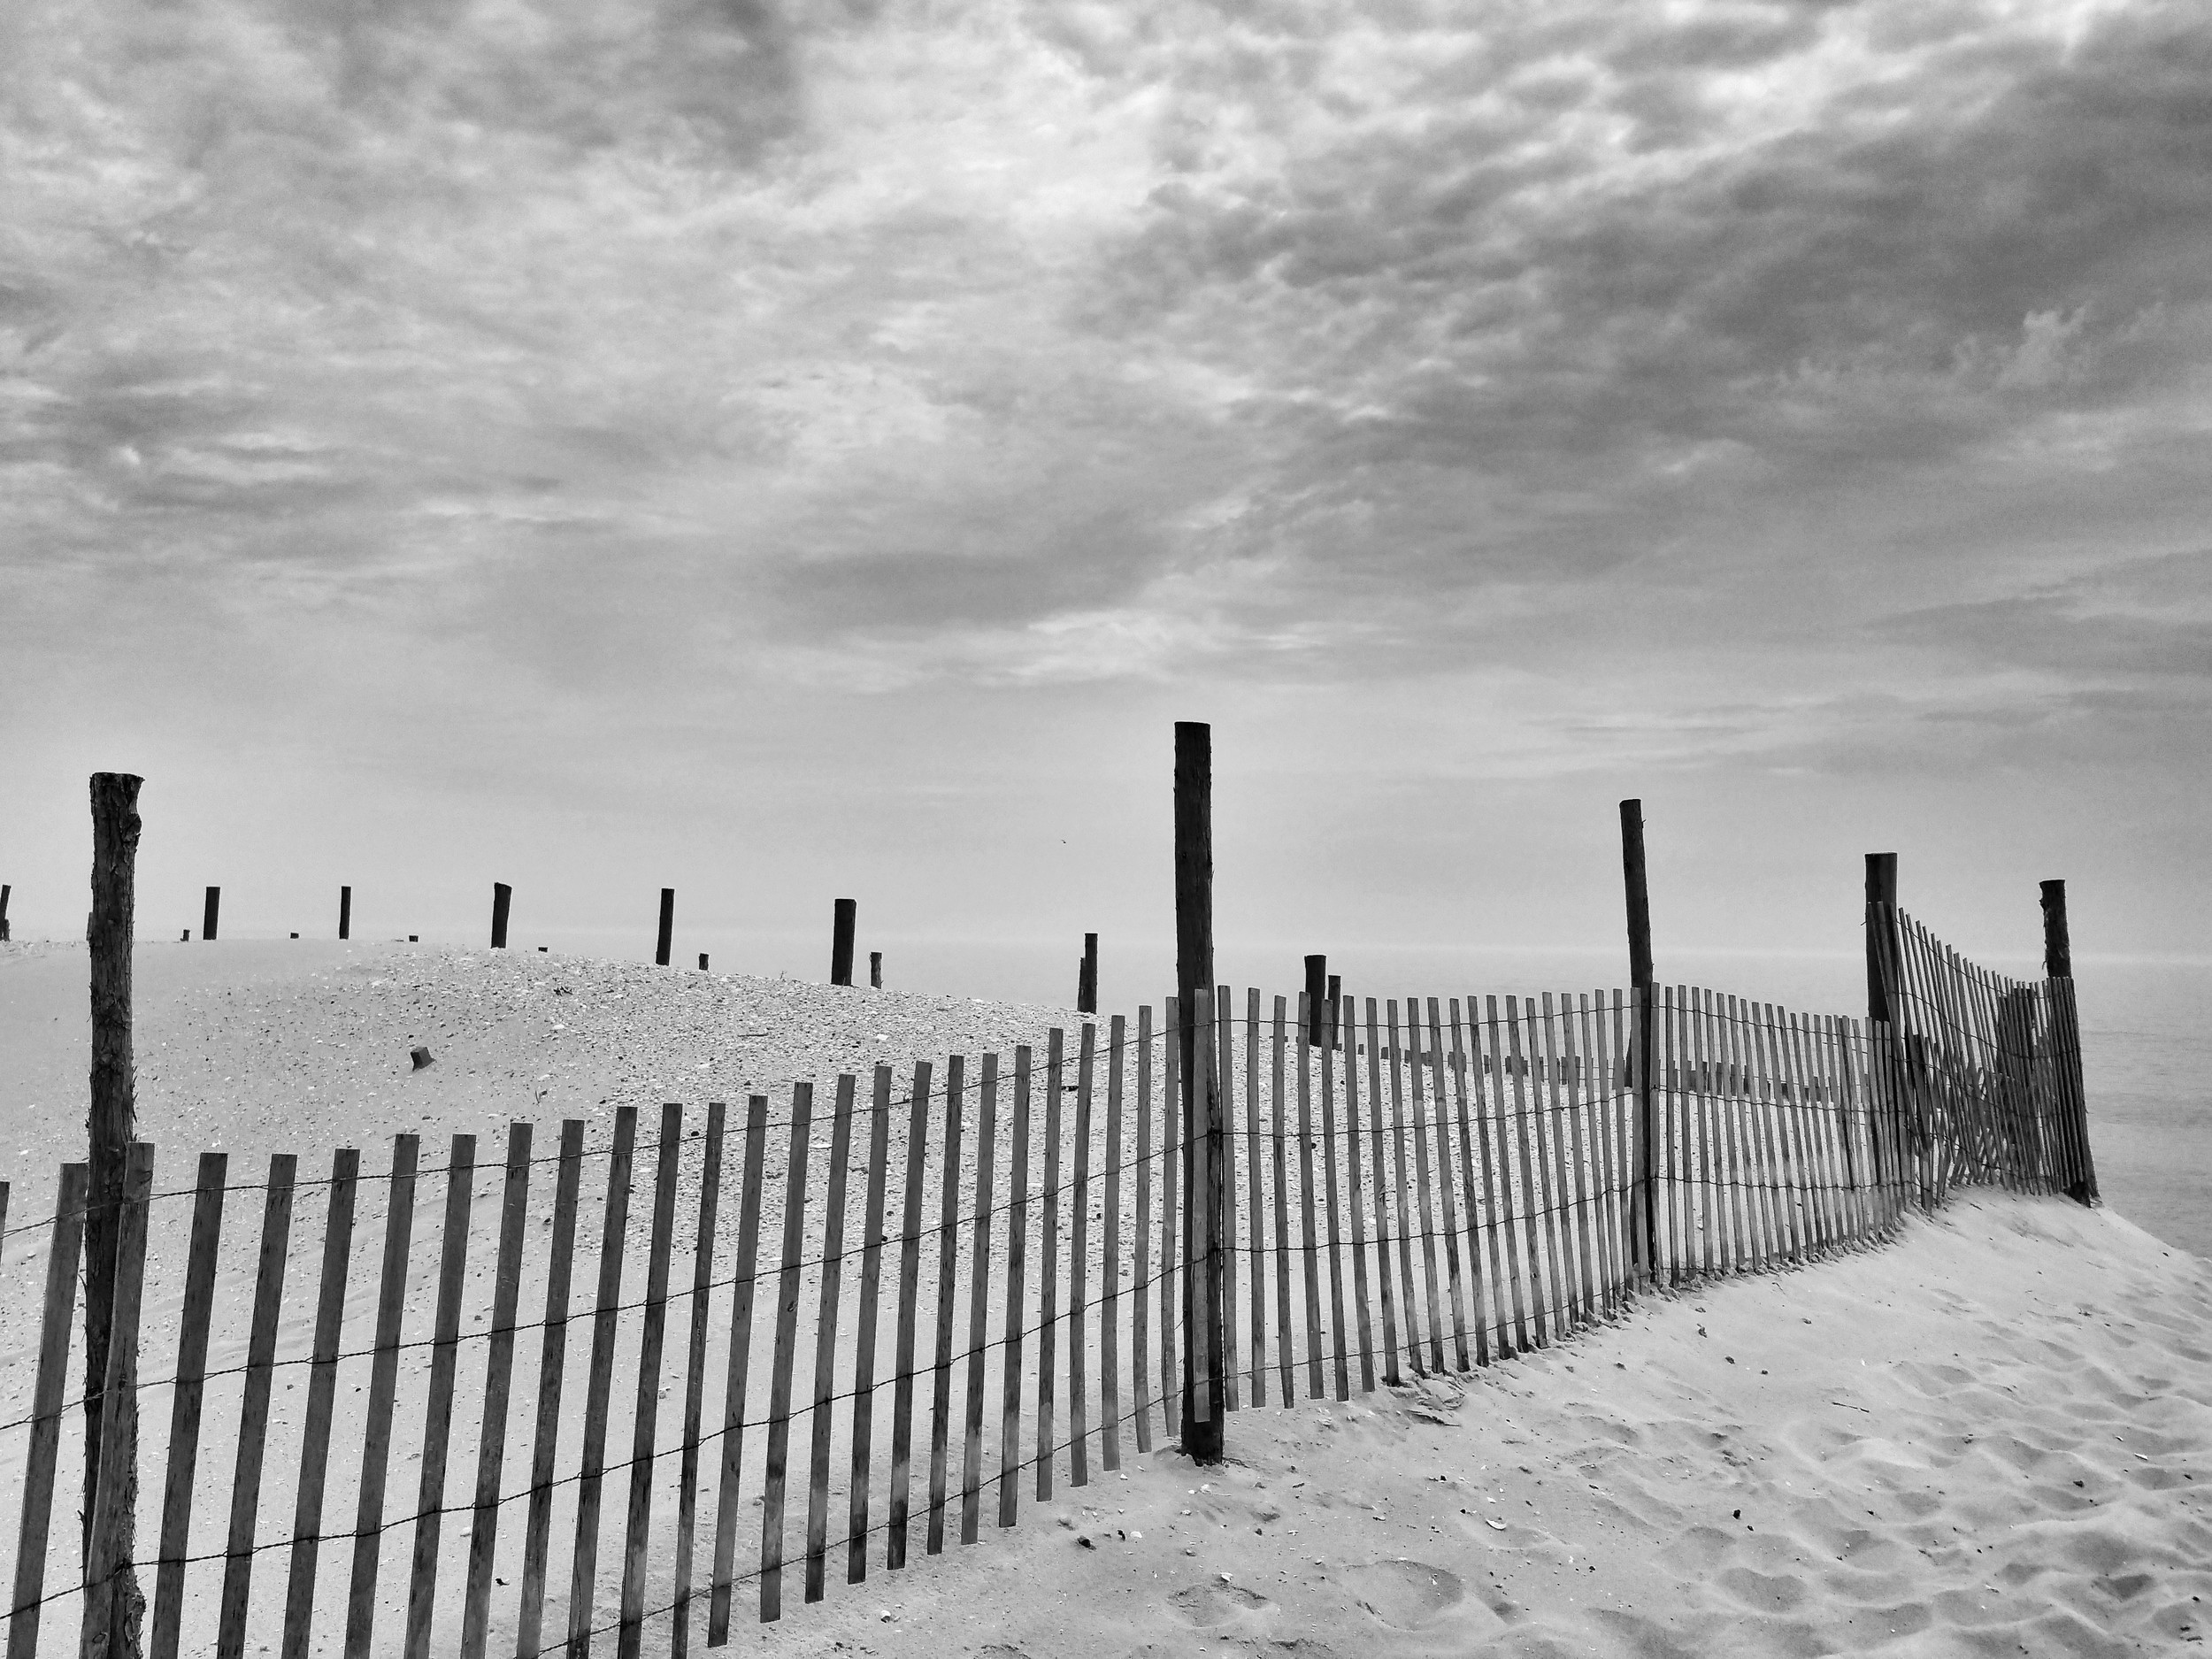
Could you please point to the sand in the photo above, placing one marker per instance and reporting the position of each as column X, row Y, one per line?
column 1989, row 1438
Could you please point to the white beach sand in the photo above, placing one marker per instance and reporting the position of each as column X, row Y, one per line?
column 1990, row 1438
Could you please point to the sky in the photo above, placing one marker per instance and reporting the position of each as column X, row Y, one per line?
column 786, row 453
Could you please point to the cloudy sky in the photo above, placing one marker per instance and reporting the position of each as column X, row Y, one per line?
column 783, row 452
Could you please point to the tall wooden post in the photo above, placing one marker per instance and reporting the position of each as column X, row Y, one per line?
column 345, row 912
column 4, row 890
column 1645, row 1052
column 668, row 926
column 208, row 912
column 501, row 893
column 1317, row 999
column 1086, row 976
column 1881, row 970
column 2058, row 967
column 842, row 922
column 2058, row 948
column 112, row 1127
column 1204, row 1355
column 875, row 969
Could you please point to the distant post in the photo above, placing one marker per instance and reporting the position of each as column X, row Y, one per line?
column 345, row 912
column 501, row 893
column 4, row 890
column 1317, row 996
column 1645, row 1051
column 875, row 969
column 702, row 962
column 841, row 921
column 668, row 926
column 112, row 1127
column 1086, row 976
column 2058, row 967
column 208, row 913
column 1203, row 1354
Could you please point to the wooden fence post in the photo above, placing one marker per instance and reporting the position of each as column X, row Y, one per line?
column 1317, row 999
column 345, row 912
column 114, row 1132
column 1643, row 1044
column 668, row 928
column 1881, row 973
column 209, row 913
column 1086, row 976
column 1204, row 1361
column 502, row 896
column 4, row 890
column 2058, row 964
column 112, row 1604
column 875, row 969
column 843, row 916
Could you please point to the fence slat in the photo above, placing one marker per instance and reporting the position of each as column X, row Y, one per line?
column 422, row 1577
column 746, row 1275
column 537, row 1534
column 1362, row 1292
column 948, row 1286
column 186, row 1401
column 1171, row 1156
column 1109, row 1266
column 1256, row 1213
column 1527, row 1110
column 1141, row 1286
column 645, row 1412
column 694, row 1377
column 1468, row 1190
column 1497, row 1071
column 1225, row 1281
column 583, row 1582
column 376, row 1439
column 1307, row 1240
column 108, row 1546
column 57, row 1316
column 909, row 1294
column 864, row 1332
column 253, row 1414
column 1078, row 1263
column 825, row 1339
column 1386, row 1191
column 1049, row 1265
column 1339, row 1343
column 1578, row 1153
column 1285, row 1365
column 979, row 1296
column 491, row 1441
column 1440, row 1135
column 775, row 1466
column 1017, row 1242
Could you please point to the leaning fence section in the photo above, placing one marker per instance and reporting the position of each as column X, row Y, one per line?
column 665, row 1373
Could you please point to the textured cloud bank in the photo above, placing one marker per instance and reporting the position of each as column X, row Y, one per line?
column 1791, row 385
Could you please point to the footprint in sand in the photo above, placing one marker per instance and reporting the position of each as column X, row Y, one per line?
column 1204, row 1606
column 1405, row 1594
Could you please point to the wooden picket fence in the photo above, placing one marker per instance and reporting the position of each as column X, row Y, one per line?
column 851, row 1294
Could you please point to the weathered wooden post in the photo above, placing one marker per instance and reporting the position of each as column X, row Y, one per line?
column 4, row 890
column 1336, row 996
column 501, row 893
column 846, row 913
column 345, row 912
column 1887, row 1061
column 1204, row 1355
column 875, row 969
column 1644, row 1211
column 208, row 912
column 1317, row 999
column 112, row 1127
column 702, row 962
column 2058, row 967
column 1086, row 976
column 668, row 926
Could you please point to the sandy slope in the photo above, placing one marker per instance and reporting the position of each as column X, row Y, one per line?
column 1993, row 1438
column 1989, row 1439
